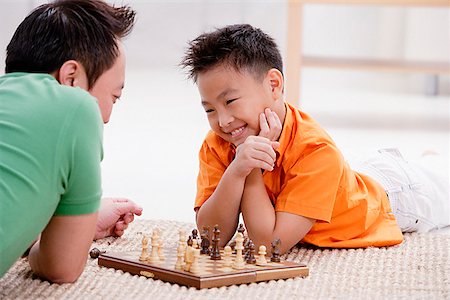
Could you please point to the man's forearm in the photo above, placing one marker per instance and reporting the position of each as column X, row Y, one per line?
column 223, row 207
column 257, row 209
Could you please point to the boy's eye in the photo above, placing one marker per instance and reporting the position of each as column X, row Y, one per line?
column 209, row 110
column 231, row 101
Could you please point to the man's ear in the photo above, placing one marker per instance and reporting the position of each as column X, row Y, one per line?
column 73, row 74
column 276, row 82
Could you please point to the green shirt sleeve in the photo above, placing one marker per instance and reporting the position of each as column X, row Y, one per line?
column 81, row 161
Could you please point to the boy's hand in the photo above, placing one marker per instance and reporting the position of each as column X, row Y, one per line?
column 270, row 125
column 255, row 153
column 114, row 216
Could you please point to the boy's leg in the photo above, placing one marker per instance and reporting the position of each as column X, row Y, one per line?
column 419, row 195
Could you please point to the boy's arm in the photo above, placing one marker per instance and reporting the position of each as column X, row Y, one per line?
column 263, row 223
column 60, row 254
column 223, row 206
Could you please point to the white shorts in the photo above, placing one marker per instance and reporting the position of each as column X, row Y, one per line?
column 418, row 191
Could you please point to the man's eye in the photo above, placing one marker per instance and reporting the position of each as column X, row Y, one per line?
column 208, row 110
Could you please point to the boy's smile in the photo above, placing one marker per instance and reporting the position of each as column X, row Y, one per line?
column 233, row 101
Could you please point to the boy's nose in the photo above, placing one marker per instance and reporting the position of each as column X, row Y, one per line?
column 225, row 119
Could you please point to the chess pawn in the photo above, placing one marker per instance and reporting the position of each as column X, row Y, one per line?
column 261, row 260
column 227, row 259
column 195, row 266
column 144, row 253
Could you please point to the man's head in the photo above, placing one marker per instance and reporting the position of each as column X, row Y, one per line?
column 77, row 41
column 238, row 70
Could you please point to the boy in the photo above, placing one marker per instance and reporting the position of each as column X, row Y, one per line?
column 273, row 163
column 51, row 135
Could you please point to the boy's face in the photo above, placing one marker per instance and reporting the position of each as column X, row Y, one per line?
column 108, row 87
column 233, row 101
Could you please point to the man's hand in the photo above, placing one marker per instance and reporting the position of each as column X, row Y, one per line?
column 114, row 216
column 270, row 125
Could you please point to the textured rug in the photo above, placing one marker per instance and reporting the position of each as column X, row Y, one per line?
column 419, row 268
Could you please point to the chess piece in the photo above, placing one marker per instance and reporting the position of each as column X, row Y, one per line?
column 180, row 257
column 188, row 258
column 190, row 241
column 251, row 254
column 227, row 259
column 246, row 251
column 261, row 260
column 215, row 252
column 194, row 234
column 205, row 243
column 182, row 238
column 144, row 253
column 161, row 250
column 195, row 266
column 241, row 229
column 276, row 250
column 194, row 244
column 153, row 258
column 95, row 253
column 239, row 262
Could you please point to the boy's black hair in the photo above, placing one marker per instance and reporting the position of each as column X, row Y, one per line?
column 239, row 46
column 82, row 30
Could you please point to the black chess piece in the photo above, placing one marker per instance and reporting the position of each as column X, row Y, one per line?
column 190, row 241
column 205, row 241
column 215, row 252
column 251, row 254
column 194, row 234
column 276, row 250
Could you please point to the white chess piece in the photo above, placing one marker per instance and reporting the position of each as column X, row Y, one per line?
column 144, row 253
column 227, row 259
column 195, row 266
column 261, row 260
column 239, row 262
column 154, row 254
column 161, row 250
column 180, row 258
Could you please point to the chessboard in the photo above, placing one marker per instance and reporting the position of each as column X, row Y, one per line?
column 213, row 272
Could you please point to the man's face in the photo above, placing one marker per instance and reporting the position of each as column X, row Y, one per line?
column 108, row 87
column 233, row 101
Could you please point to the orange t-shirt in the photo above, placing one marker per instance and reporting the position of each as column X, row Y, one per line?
column 312, row 179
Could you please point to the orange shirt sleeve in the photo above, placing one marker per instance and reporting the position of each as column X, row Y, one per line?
column 311, row 182
column 213, row 163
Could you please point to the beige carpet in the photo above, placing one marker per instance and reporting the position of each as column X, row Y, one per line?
column 419, row 268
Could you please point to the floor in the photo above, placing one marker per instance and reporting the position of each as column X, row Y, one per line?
column 156, row 129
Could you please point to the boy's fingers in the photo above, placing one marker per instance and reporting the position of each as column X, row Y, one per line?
column 264, row 125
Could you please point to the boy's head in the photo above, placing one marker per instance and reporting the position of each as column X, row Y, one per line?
column 238, row 70
column 77, row 41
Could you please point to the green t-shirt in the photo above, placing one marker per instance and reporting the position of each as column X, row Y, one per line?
column 50, row 153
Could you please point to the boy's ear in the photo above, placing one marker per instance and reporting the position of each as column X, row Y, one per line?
column 276, row 82
column 73, row 74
